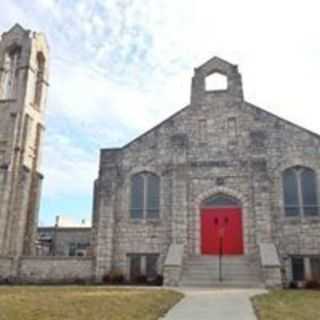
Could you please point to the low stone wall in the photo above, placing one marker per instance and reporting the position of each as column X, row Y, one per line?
column 270, row 264
column 7, row 268
column 55, row 269
column 46, row 269
column 272, row 277
column 173, row 265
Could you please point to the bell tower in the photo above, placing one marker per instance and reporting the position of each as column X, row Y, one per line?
column 23, row 93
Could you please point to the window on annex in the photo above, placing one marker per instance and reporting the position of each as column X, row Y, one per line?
column 78, row 249
column 315, row 268
column 298, row 269
column 143, row 265
column 300, row 192
column 145, row 196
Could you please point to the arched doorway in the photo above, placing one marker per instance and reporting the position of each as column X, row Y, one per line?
column 221, row 226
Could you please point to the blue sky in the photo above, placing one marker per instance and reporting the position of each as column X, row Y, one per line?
column 118, row 67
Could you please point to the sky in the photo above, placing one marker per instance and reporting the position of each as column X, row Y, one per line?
column 119, row 67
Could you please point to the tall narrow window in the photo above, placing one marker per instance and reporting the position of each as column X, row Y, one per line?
column 135, row 266
column 315, row 268
column 297, row 266
column 145, row 195
column 137, row 196
column 153, row 194
column 309, row 195
column 12, row 61
column 300, row 192
column 232, row 127
column 202, row 130
column 39, row 80
column 290, row 185
column 152, row 266
column 5, row 77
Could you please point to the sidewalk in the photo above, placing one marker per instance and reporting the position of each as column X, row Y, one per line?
column 215, row 304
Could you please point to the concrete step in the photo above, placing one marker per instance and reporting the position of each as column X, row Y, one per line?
column 237, row 271
column 216, row 276
column 223, row 284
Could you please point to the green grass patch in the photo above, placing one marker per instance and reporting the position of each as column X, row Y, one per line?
column 288, row 305
column 82, row 303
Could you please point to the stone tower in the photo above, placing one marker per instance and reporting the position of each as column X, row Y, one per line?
column 23, row 93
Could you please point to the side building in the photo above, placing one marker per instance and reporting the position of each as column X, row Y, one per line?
column 65, row 240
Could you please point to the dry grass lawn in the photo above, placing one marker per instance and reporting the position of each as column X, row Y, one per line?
column 288, row 305
column 82, row 303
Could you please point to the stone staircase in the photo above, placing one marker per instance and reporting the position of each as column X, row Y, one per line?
column 237, row 272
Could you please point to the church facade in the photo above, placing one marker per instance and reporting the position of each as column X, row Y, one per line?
column 221, row 177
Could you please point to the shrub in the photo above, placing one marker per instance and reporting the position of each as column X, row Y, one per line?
column 142, row 279
column 117, row 279
column 293, row 285
column 312, row 284
column 113, row 277
column 158, row 281
column 106, row 279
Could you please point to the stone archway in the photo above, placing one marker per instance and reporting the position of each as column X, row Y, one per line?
column 221, row 225
column 194, row 246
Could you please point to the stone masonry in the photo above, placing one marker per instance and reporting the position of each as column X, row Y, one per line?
column 219, row 144
column 23, row 91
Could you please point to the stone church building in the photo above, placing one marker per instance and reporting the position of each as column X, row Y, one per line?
column 221, row 193
column 220, row 177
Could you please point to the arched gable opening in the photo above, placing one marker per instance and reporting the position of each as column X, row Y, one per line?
column 216, row 81
column 220, row 200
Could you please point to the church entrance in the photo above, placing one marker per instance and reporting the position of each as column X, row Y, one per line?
column 221, row 226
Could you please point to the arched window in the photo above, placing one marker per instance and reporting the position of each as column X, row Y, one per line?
column 39, row 80
column 221, row 200
column 300, row 192
column 145, row 196
column 11, row 65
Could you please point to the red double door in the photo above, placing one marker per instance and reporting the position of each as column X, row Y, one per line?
column 221, row 230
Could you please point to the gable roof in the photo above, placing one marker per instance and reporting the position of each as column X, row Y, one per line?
column 17, row 28
column 215, row 64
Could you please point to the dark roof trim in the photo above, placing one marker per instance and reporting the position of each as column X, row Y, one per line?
column 110, row 149
column 148, row 131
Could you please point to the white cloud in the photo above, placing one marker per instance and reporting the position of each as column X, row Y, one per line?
column 118, row 67
column 69, row 169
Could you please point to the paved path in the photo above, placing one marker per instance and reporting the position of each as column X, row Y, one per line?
column 215, row 304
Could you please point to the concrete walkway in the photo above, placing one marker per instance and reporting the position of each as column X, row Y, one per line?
column 215, row 304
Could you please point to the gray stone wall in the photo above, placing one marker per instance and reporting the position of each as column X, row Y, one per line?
column 245, row 161
column 7, row 268
column 55, row 269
